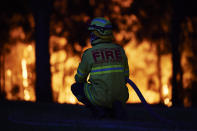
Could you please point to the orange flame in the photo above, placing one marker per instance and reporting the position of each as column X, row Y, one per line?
column 24, row 73
column 19, row 76
column 166, row 66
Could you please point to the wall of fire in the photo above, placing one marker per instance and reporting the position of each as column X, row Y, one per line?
column 19, row 71
column 150, row 71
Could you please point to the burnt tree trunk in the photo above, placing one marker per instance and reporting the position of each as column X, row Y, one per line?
column 42, row 11
column 1, row 76
column 177, row 18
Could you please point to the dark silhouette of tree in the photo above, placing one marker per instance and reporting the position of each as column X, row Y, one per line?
column 42, row 10
column 4, row 38
column 177, row 19
column 2, row 74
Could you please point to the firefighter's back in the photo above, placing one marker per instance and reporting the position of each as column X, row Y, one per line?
column 109, row 68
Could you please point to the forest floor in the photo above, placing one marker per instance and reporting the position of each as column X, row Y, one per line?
column 52, row 116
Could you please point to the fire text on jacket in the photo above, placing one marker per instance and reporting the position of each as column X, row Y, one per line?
column 106, row 55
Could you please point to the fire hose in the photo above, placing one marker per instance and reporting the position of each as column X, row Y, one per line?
column 147, row 106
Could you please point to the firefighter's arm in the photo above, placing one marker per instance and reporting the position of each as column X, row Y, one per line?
column 126, row 69
column 126, row 66
column 83, row 69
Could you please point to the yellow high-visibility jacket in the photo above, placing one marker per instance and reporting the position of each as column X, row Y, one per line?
column 107, row 65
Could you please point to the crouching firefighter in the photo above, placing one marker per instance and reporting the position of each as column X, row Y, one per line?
column 105, row 93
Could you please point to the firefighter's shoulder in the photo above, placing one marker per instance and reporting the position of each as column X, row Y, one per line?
column 118, row 45
column 86, row 51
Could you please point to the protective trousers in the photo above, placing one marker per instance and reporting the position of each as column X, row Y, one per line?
column 98, row 112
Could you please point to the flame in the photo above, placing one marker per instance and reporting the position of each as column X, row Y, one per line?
column 26, row 95
column 165, row 90
column 9, row 72
column 143, row 67
column 187, row 70
column 17, row 33
column 19, row 76
column 25, row 78
column 63, row 67
column 167, row 102
column 24, row 69
column 166, row 74
column 166, row 95
column 188, row 74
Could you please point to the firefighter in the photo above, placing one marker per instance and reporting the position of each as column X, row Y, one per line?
column 106, row 64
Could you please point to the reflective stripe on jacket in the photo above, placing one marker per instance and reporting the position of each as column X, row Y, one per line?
column 107, row 65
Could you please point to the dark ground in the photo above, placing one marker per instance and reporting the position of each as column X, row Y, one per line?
column 23, row 116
